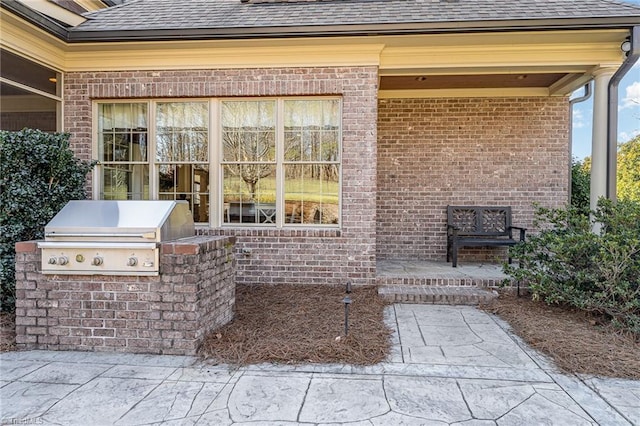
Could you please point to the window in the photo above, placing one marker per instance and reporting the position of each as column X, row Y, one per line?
column 249, row 161
column 312, row 161
column 182, row 154
column 30, row 94
column 123, row 151
column 272, row 162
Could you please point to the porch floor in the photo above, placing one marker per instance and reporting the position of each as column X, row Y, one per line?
column 425, row 281
column 430, row 272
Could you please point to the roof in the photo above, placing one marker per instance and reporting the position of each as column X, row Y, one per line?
column 197, row 19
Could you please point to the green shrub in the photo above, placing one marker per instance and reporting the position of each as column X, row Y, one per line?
column 566, row 263
column 629, row 170
column 38, row 176
column 580, row 186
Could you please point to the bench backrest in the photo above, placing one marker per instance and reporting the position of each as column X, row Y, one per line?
column 480, row 220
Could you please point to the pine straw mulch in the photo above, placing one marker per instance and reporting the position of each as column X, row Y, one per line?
column 578, row 342
column 301, row 324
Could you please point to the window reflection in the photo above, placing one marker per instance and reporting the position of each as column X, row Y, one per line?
column 312, row 193
column 122, row 148
column 249, row 170
column 312, row 161
column 125, row 182
column 182, row 154
column 249, row 200
column 311, row 130
column 182, row 131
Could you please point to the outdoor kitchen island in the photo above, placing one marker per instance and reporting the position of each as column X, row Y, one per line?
column 102, row 289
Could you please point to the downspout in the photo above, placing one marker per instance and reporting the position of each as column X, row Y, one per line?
column 612, row 115
column 572, row 102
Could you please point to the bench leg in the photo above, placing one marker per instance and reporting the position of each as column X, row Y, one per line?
column 454, row 255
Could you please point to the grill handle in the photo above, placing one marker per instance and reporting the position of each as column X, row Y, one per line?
column 146, row 235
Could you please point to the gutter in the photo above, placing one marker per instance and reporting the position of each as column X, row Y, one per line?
column 572, row 102
column 612, row 113
column 79, row 35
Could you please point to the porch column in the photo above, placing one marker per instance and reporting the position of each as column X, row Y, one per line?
column 599, row 136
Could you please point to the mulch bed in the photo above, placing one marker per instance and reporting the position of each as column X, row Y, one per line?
column 301, row 324
column 578, row 342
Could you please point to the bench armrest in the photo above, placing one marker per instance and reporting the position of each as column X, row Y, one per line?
column 452, row 230
column 522, row 231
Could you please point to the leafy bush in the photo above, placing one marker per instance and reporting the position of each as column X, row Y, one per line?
column 580, row 186
column 566, row 263
column 38, row 176
column 629, row 170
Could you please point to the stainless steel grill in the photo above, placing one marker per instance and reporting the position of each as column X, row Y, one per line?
column 112, row 237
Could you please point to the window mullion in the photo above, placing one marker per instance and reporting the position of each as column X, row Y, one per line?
column 154, row 169
column 216, row 205
column 280, row 202
column 98, row 174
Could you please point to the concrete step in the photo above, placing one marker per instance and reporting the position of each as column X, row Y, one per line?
column 437, row 295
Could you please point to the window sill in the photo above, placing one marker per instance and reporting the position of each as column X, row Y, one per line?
column 270, row 232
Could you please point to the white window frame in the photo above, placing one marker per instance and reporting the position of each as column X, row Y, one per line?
column 215, row 151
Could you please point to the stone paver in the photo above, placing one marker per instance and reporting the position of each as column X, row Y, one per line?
column 624, row 395
column 450, row 365
column 342, row 400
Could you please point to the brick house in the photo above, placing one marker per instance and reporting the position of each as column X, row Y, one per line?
column 324, row 135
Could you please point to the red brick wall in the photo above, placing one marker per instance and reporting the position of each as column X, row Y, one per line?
column 480, row 151
column 277, row 256
column 165, row 314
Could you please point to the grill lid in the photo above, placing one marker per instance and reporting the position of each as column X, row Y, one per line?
column 121, row 221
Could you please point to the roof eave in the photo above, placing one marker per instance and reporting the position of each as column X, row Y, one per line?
column 33, row 17
column 80, row 36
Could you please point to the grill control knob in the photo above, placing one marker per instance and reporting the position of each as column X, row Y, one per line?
column 63, row 260
column 133, row 261
column 53, row 261
column 97, row 261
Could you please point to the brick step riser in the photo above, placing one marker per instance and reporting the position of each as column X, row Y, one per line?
column 437, row 299
column 437, row 295
column 440, row 282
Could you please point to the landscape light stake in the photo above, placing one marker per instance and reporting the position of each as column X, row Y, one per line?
column 347, row 302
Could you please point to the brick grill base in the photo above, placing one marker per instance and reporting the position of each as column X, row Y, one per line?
column 166, row 314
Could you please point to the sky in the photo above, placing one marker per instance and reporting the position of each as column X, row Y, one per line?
column 628, row 112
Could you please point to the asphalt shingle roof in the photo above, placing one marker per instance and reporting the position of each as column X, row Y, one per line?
column 157, row 15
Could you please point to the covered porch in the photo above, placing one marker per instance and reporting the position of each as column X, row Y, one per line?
column 489, row 126
column 515, row 66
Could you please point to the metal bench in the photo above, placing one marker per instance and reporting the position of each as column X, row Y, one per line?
column 479, row 226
